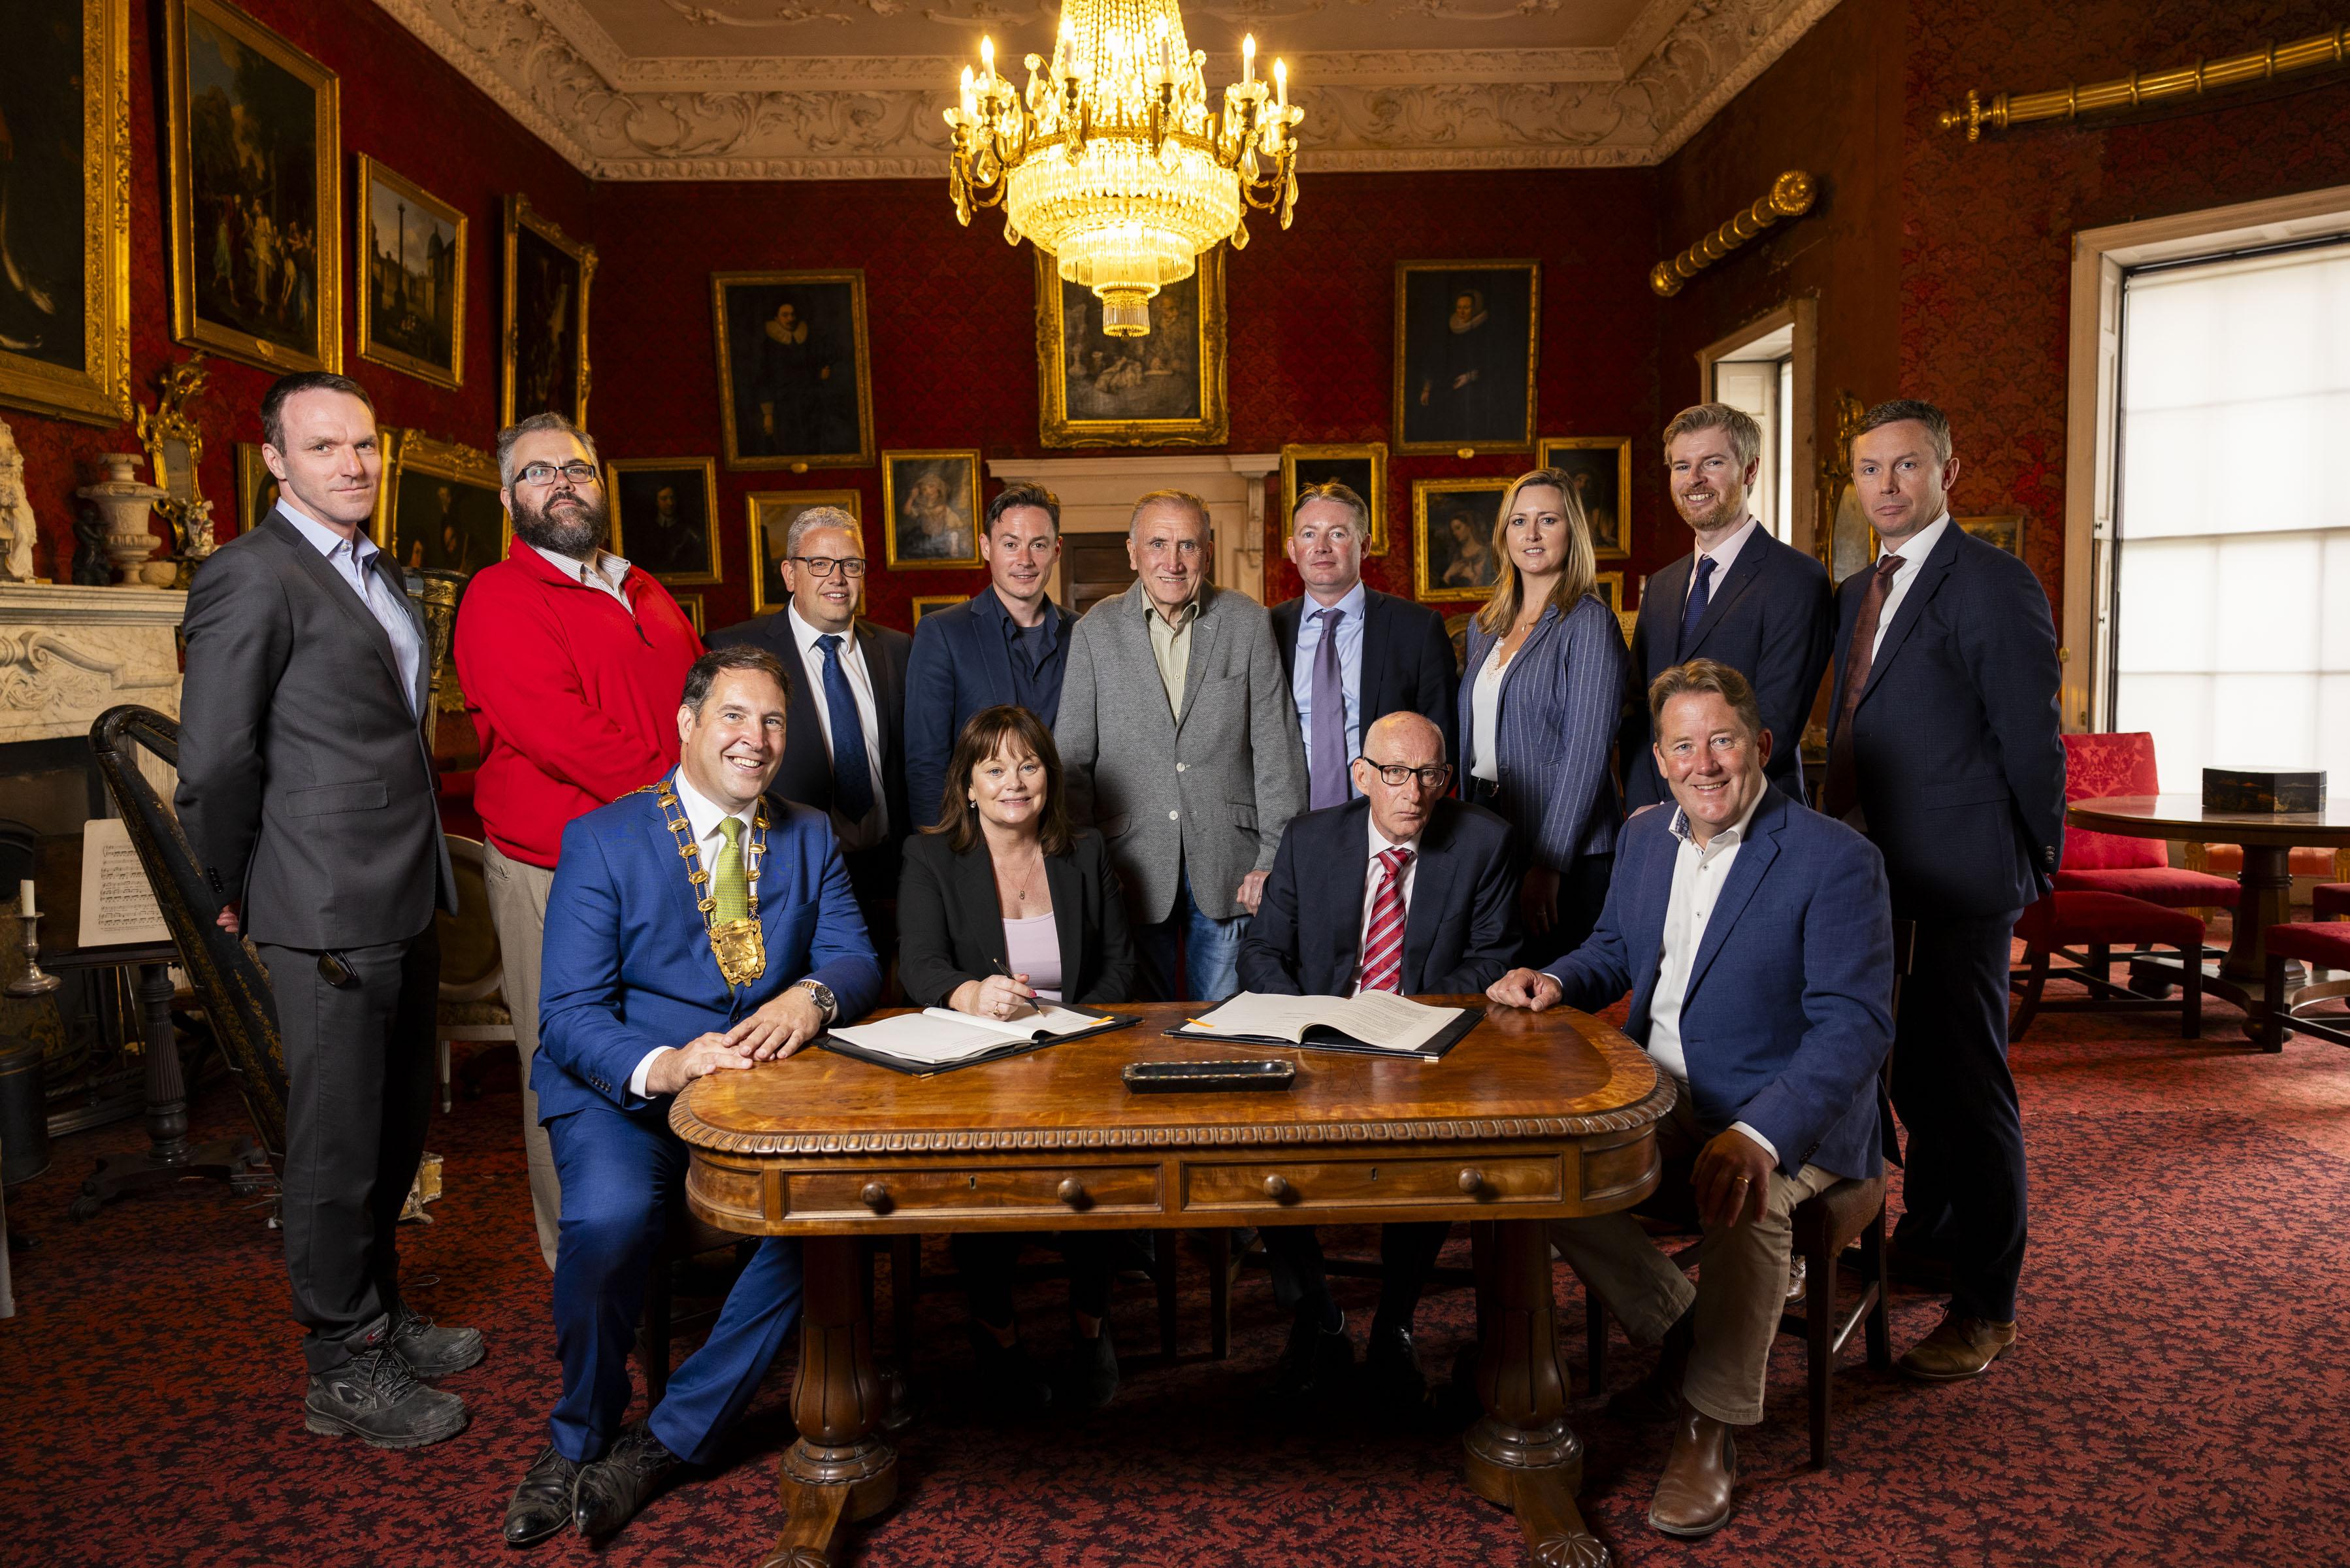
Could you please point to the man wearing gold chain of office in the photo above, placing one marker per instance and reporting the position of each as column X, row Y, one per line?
column 696, row 926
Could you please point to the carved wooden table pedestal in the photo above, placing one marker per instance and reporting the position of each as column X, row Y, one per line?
column 1529, row 1119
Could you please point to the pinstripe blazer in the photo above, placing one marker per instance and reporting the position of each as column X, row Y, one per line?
column 1562, row 700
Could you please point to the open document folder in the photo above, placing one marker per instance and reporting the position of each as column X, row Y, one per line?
column 1376, row 1021
column 936, row 1039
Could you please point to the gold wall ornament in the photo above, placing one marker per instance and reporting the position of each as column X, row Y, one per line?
column 2139, row 88
column 175, row 454
column 1791, row 196
column 1844, row 541
column 543, row 350
column 65, row 292
column 1114, row 163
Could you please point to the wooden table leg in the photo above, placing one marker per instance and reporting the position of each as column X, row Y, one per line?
column 2266, row 901
column 841, row 1470
column 1521, row 1453
column 168, row 1157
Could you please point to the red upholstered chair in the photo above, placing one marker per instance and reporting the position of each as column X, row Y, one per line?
column 2096, row 766
column 2330, row 902
column 2085, row 927
column 2321, row 944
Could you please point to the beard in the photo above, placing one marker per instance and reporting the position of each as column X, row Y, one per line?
column 578, row 538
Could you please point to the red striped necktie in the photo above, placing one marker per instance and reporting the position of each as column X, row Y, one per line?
column 1383, row 943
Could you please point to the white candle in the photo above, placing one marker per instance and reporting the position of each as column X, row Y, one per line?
column 25, row 898
column 1248, row 58
column 1281, row 83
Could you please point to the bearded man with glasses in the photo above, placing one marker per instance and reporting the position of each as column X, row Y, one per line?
column 571, row 661
column 847, row 752
column 1434, row 913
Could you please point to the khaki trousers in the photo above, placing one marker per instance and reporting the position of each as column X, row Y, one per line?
column 518, row 909
column 1741, row 1282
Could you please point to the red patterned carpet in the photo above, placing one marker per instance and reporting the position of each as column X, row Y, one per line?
column 2178, row 1395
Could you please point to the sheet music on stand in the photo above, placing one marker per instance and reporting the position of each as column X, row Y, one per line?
column 118, row 904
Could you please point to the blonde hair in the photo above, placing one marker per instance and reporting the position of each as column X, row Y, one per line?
column 1582, row 572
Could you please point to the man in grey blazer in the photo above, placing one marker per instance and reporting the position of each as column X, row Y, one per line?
column 1181, row 743
column 307, row 792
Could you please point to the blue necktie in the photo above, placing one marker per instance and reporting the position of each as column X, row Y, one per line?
column 1694, row 611
column 852, row 777
column 1326, row 761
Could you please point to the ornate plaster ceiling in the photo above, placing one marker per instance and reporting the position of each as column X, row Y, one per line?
column 826, row 89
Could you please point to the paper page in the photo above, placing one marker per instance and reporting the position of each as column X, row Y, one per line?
column 924, row 1038
column 1375, row 1018
column 1394, row 1023
column 1260, row 1013
column 1050, row 1020
column 117, row 904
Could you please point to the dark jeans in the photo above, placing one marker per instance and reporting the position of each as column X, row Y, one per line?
column 358, row 1083
column 1406, row 1255
column 986, row 1259
column 1964, row 1187
column 1209, row 970
column 1582, row 894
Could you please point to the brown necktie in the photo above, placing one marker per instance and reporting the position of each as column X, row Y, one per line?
column 1842, row 790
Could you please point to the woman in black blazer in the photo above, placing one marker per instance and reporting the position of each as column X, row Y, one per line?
column 1003, row 906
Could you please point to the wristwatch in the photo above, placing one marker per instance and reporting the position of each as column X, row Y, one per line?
column 827, row 1004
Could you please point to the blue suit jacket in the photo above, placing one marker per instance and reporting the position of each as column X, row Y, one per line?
column 1960, row 769
column 1562, row 702
column 627, row 965
column 1788, row 1015
column 1771, row 619
column 960, row 665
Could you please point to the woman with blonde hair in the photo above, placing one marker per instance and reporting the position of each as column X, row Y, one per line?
column 1542, row 691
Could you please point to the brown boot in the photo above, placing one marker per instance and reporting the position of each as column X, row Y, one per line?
column 1958, row 1348
column 1693, row 1494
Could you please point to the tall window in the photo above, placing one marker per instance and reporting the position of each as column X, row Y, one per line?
column 2231, row 584
column 1759, row 377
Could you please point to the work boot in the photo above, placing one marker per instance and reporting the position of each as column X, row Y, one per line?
column 609, row 1492
column 432, row 1351
column 374, row 1396
column 1693, row 1494
column 542, row 1504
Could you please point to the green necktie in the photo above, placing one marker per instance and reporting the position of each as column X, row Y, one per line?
column 727, row 886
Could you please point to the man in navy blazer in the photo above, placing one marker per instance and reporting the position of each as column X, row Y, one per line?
column 1431, row 907
column 635, row 1005
column 1944, row 749
column 1008, row 644
column 1371, row 653
column 1756, row 941
column 1741, row 597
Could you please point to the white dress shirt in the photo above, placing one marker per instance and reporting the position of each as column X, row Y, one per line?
column 702, row 816
column 354, row 561
column 607, row 572
column 1699, row 874
column 1723, row 555
column 852, row 835
column 1913, row 553
column 1485, row 718
column 1373, row 874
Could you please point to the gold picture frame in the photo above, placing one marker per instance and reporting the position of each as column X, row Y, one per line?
column 1603, row 487
column 685, row 551
column 207, row 40
column 257, row 490
column 772, row 512
column 925, row 603
column 404, row 507
column 1304, row 464
column 931, row 508
column 1456, row 567
column 412, row 344
column 2002, row 530
column 1127, row 414
column 1427, row 295
column 692, row 605
column 828, row 328
column 74, row 247
column 545, row 308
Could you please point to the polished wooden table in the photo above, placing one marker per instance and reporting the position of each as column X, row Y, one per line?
column 2268, row 838
column 1531, row 1117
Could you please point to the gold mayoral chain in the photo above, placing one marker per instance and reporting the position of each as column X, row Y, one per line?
column 740, row 947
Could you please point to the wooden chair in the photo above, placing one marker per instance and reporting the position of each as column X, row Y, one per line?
column 2084, row 928
column 1852, row 1211
column 472, row 1004
column 2321, row 944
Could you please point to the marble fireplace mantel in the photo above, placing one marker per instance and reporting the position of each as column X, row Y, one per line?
column 68, row 653
column 1098, row 493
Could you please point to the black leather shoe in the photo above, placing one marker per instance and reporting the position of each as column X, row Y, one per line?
column 609, row 1492
column 374, row 1396
column 1010, row 1384
column 1093, row 1367
column 1391, row 1368
column 541, row 1505
column 1315, row 1364
column 430, row 1351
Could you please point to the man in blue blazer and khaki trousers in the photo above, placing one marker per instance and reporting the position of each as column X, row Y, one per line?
column 1755, row 939
column 699, row 925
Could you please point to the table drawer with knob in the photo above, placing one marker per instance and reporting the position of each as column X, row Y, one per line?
column 1372, row 1183
column 1037, row 1191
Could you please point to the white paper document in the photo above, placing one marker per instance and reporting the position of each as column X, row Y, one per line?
column 1375, row 1018
column 939, row 1037
column 117, row 904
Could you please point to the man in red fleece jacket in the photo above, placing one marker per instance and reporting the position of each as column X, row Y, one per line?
column 571, row 661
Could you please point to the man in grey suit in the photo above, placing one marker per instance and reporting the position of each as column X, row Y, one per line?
column 307, row 792
column 1181, row 743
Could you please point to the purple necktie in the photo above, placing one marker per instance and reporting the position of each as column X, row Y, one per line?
column 1325, row 759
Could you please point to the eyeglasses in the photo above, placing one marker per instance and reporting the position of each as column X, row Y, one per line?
column 1395, row 775
column 545, row 472
column 821, row 567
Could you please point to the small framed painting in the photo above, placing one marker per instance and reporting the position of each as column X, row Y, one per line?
column 1453, row 553
column 773, row 513
column 1467, row 334
column 692, row 605
column 543, row 364
column 793, row 380
column 256, row 487
column 438, row 506
column 1164, row 388
column 1361, row 467
column 411, row 285
column 2005, row 529
column 664, row 510
column 1599, row 472
column 930, row 507
column 925, row 603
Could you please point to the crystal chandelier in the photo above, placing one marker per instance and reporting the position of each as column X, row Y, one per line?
column 1114, row 163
